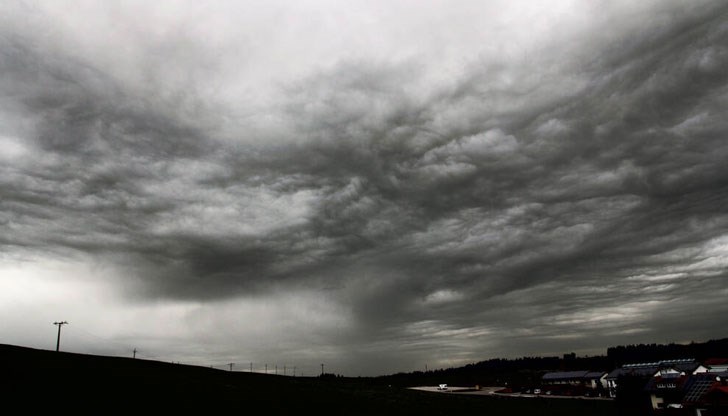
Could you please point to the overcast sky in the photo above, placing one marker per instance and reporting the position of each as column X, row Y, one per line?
column 373, row 185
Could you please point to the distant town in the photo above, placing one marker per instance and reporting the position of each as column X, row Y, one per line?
column 671, row 379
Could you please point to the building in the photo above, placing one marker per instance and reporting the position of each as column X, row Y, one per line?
column 716, row 365
column 706, row 393
column 573, row 378
column 574, row 382
column 647, row 371
column 643, row 370
column 596, row 380
column 666, row 388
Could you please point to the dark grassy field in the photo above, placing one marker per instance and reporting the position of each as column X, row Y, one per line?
column 89, row 384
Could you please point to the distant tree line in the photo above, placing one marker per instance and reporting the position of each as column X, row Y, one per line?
column 655, row 352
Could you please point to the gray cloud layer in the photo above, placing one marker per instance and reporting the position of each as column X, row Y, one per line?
column 569, row 198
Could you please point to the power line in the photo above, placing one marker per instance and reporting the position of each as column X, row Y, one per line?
column 80, row 332
column 58, row 340
column 136, row 352
column 99, row 339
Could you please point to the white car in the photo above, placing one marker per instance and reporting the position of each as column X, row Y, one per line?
column 442, row 387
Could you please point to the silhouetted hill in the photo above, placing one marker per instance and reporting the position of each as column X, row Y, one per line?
column 39, row 380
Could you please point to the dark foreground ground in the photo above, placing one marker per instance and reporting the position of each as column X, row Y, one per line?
column 39, row 380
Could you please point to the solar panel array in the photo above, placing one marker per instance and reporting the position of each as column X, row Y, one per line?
column 698, row 389
column 660, row 363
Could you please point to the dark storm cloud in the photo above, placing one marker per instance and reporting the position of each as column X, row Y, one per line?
column 595, row 185
column 542, row 198
column 84, row 186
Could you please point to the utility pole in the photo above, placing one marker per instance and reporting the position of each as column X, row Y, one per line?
column 135, row 351
column 58, row 340
column 294, row 371
column 284, row 369
column 231, row 366
column 322, row 369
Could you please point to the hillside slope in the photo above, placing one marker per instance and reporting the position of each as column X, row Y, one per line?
column 89, row 384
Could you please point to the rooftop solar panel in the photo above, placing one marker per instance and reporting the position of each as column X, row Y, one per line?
column 698, row 389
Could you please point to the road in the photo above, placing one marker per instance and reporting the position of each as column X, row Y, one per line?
column 491, row 391
column 459, row 390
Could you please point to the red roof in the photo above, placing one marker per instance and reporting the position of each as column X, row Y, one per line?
column 719, row 389
column 715, row 361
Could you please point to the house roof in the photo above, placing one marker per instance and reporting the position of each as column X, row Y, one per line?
column 594, row 375
column 639, row 371
column 699, row 384
column 564, row 375
column 649, row 369
column 715, row 361
column 719, row 389
column 687, row 367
